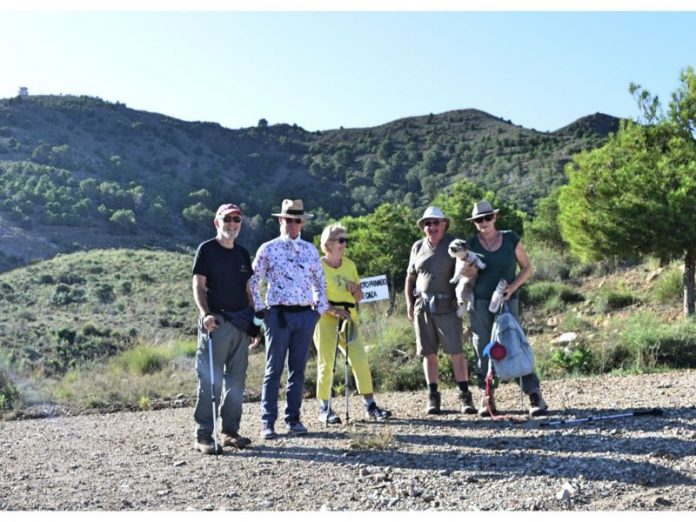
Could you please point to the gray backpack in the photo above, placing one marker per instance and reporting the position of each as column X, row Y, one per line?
column 509, row 349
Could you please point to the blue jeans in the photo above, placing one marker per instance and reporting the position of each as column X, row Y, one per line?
column 481, row 327
column 230, row 360
column 291, row 341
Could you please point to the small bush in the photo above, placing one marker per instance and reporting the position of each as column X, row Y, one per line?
column 610, row 300
column 104, row 293
column 543, row 292
column 65, row 295
column 549, row 264
column 669, row 287
column 575, row 358
column 8, row 392
column 144, row 360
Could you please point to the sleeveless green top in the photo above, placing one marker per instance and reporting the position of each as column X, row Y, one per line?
column 500, row 264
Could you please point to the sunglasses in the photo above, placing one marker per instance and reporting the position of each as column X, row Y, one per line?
column 434, row 222
column 342, row 240
column 232, row 219
column 297, row 221
column 481, row 219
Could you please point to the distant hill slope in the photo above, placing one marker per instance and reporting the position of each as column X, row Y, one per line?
column 77, row 172
column 80, row 307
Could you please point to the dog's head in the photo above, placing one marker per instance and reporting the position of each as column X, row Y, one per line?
column 458, row 248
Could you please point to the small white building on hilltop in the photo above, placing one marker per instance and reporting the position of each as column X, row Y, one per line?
column 23, row 91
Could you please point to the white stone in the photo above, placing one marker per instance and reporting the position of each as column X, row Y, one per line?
column 565, row 338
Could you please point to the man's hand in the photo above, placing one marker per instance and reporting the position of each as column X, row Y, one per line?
column 210, row 323
column 409, row 311
column 255, row 341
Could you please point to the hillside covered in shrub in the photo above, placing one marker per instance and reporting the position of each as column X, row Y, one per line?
column 78, row 172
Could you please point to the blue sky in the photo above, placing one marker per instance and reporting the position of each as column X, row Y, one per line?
column 323, row 70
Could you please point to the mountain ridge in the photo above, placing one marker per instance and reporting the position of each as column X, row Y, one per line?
column 118, row 176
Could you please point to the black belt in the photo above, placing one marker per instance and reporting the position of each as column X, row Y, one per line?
column 342, row 304
column 282, row 309
column 292, row 308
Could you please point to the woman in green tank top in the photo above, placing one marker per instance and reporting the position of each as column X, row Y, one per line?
column 502, row 252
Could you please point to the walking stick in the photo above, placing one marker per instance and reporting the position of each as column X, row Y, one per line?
column 634, row 413
column 212, row 391
column 333, row 369
column 346, row 375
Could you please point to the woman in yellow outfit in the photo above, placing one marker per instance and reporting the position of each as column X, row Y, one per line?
column 343, row 291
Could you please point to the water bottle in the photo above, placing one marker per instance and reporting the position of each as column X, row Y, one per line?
column 497, row 297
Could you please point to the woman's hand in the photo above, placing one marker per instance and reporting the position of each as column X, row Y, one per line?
column 341, row 313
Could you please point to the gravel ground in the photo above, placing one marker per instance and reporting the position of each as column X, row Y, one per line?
column 145, row 460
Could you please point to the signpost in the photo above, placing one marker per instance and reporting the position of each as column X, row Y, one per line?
column 375, row 289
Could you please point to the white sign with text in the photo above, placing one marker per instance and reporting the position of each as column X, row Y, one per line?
column 374, row 288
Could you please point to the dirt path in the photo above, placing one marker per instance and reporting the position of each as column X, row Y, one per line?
column 145, row 460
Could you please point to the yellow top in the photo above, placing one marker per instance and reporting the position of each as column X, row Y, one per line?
column 336, row 279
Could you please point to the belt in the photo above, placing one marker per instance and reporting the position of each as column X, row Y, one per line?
column 342, row 304
column 282, row 309
column 292, row 308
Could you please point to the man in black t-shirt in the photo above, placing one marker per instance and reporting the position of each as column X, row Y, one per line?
column 221, row 271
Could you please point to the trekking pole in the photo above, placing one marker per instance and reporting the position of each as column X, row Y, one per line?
column 212, row 391
column 333, row 369
column 634, row 413
column 346, row 375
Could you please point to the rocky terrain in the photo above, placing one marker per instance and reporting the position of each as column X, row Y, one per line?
column 145, row 460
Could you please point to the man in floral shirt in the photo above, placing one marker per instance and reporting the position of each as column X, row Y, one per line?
column 295, row 299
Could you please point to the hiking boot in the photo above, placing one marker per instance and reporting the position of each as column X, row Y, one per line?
column 374, row 412
column 206, row 446
column 483, row 410
column 538, row 405
column 467, row 402
column 295, row 428
column 234, row 440
column 328, row 416
column 433, row 404
column 267, row 432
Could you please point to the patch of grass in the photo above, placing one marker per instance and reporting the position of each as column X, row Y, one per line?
column 669, row 286
column 375, row 439
column 549, row 264
column 8, row 392
column 643, row 342
column 609, row 300
column 553, row 293
column 133, row 379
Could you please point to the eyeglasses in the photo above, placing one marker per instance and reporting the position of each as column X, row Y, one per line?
column 297, row 221
column 342, row 240
column 434, row 222
column 231, row 219
column 481, row 219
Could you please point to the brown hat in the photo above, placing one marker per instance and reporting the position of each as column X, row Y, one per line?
column 293, row 208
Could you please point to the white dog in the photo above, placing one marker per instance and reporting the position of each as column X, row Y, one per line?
column 465, row 285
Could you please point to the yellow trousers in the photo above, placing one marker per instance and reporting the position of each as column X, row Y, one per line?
column 325, row 341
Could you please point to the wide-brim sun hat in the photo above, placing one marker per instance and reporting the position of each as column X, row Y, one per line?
column 482, row 208
column 434, row 213
column 293, row 208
